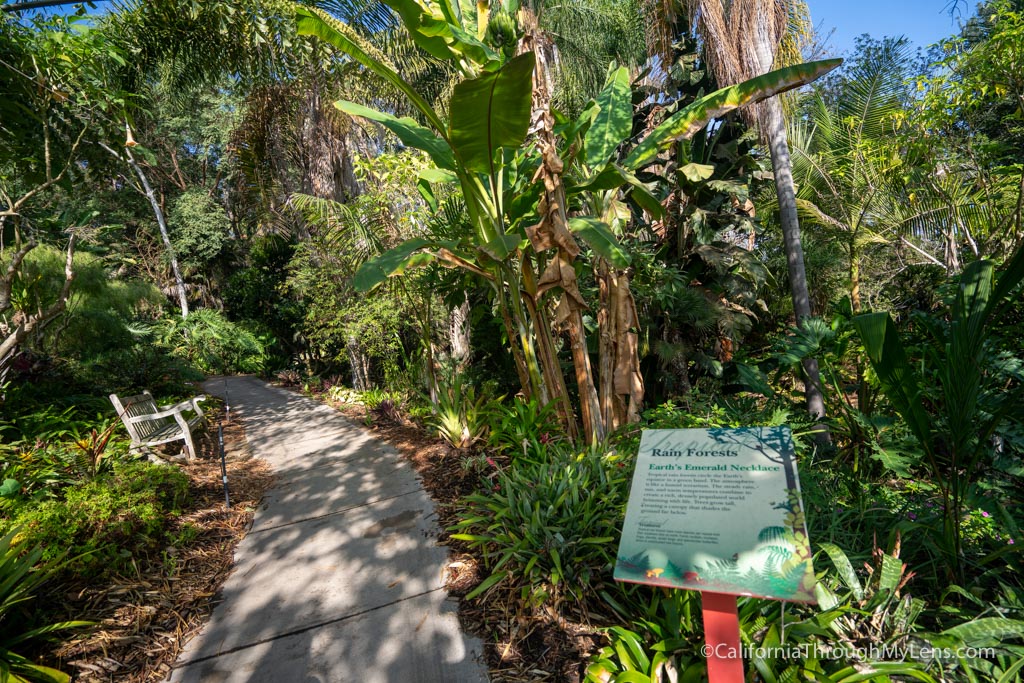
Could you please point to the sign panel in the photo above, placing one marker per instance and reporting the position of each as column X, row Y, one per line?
column 717, row 510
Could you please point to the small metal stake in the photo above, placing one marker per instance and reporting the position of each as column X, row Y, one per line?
column 223, row 465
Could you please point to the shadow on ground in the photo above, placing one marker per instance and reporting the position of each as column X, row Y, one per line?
column 340, row 578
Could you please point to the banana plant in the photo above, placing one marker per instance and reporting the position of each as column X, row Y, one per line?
column 601, row 186
column 952, row 397
column 480, row 148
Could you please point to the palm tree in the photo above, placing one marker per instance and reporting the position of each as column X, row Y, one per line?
column 845, row 159
column 742, row 39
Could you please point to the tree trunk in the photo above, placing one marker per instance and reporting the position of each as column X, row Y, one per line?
column 855, row 303
column 782, row 168
column 161, row 221
column 26, row 324
column 620, row 388
column 552, row 232
column 359, row 364
column 459, row 334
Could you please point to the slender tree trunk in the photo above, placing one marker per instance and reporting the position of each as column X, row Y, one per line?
column 782, row 167
column 855, row 302
column 161, row 221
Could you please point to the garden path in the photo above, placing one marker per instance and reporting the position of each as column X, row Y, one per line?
column 340, row 578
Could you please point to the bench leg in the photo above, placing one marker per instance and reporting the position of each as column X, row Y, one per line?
column 190, row 447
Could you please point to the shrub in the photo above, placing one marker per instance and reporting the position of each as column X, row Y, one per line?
column 21, row 575
column 524, row 427
column 103, row 524
column 137, row 368
column 213, row 343
column 550, row 527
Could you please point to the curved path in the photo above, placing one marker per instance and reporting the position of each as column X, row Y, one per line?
column 339, row 578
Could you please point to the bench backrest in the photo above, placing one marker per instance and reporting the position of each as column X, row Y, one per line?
column 134, row 406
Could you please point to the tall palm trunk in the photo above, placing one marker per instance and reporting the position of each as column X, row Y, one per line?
column 773, row 125
column 742, row 38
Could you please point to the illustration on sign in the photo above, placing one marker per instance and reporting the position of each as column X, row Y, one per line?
column 717, row 510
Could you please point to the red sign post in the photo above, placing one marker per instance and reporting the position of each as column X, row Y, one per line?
column 722, row 638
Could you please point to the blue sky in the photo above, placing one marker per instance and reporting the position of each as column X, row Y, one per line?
column 923, row 21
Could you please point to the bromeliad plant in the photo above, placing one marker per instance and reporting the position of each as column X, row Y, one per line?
column 521, row 238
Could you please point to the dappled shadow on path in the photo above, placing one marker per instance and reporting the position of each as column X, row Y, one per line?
column 339, row 579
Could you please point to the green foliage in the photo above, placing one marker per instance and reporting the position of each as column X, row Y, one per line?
column 524, row 428
column 200, row 229
column 956, row 397
column 100, row 310
column 687, row 121
column 659, row 645
column 462, row 415
column 547, row 528
column 105, row 523
column 212, row 343
column 142, row 366
column 21, row 576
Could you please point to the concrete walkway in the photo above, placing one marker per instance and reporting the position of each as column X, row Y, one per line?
column 339, row 578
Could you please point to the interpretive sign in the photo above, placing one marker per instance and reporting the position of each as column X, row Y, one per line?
column 717, row 510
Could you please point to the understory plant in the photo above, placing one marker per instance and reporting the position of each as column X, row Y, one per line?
column 960, row 396
column 547, row 528
column 104, row 523
column 21, row 575
column 462, row 414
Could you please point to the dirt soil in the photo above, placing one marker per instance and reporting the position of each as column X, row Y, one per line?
column 517, row 647
column 144, row 620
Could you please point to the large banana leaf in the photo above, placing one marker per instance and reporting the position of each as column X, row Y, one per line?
column 490, row 112
column 392, row 262
column 900, row 381
column 687, row 121
column 408, row 131
column 315, row 22
column 614, row 120
column 440, row 32
column 601, row 239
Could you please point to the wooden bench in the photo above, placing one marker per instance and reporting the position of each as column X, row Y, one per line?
column 149, row 426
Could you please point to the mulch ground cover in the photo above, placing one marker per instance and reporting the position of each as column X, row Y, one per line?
column 143, row 620
column 518, row 646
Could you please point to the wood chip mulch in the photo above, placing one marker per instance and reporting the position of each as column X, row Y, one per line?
column 518, row 646
column 144, row 620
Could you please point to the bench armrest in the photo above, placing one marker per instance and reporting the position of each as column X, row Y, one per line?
column 170, row 411
column 188, row 404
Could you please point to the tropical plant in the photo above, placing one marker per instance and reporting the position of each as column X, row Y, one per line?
column 524, row 427
column 491, row 110
column 848, row 172
column 213, row 343
column 658, row 647
column 743, row 39
column 21, row 575
column 546, row 530
column 958, row 396
column 461, row 416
